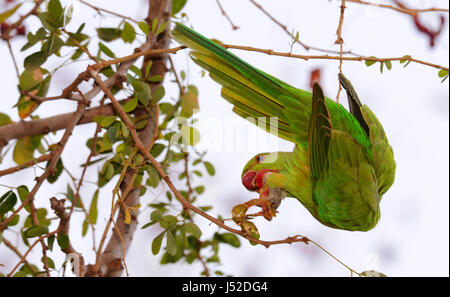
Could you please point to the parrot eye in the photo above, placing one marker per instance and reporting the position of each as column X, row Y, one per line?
column 260, row 158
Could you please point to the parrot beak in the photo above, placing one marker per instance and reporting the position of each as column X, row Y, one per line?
column 255, row 180
column 247, row 180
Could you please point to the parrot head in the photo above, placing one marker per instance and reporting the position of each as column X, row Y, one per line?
column 256, row 171
column 264, row 173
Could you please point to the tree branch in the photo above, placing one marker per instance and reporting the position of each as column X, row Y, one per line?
column 120, row 240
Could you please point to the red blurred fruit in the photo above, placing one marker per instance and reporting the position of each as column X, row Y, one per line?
column 314, row 77
column 4, row 27
column 21, row 30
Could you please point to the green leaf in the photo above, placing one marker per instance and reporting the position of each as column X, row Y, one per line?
column 128, row 34
column 93, row 211
column 177, row 6
column 78, row 53
column 50, row 262
column 168, row 221
column 109, row 171
column 297, row 36
column 153, row 177
column 50, row 242
column 49, row 23
column 4, row 119
column 71, row 196
column 35, row 231
column 171, row 244
column 156, row 243
column 8, row 13
column 124, row 130
column 155, row 78
column 53, row 45
column 41, row 216
column 7, row 202
column 23, row 194
column 23, row 151
column 370, row 62
column 56, row 11
column 154, row 25
column 381, row 67
column 142, row 90
column 147, row 68
column 405, row 59
column 144, row 27
column 193, row 229
column 199, row 189
column 157, row 149
column 156, row 215
column 148, row 224
column 41, row 34
column 209, row 168
column 228, row 238
column 104, row 121
column 158, row 94
column 59, row 168
column 35, row 60
column 443, row 74
column 136, row 71
column 108, row 34
column 141, row 124
column 388, row 65
column 30, row 79
column 161, row 28
column 84, row 228
column 63, row 240
column 106, row 50
column 198, row 173
column 130, row 105
column 14, row 221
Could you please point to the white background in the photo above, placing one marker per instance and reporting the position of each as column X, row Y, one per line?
column 411, row 238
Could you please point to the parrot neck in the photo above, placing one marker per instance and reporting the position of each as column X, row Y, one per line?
column 280, row 172
column 294, row 177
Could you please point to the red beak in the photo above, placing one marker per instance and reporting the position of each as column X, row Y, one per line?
column 253, row 180
column 247, row 180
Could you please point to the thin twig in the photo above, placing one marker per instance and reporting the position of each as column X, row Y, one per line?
column 19, row 254
column 23, row 259
column 40, row 159
column 233, row 26
column 13, row 58
column 340, row 41
column 328, row 57
column 99, row 10
column 285, row 29
column 409, row 11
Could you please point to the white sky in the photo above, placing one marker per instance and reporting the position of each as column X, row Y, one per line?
column 412, row 236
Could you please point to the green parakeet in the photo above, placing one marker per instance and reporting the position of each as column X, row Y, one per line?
column 342, row 162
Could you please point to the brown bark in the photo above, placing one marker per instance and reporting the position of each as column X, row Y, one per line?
column 113, row 253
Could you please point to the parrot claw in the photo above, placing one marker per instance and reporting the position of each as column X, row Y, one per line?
column 240, row 211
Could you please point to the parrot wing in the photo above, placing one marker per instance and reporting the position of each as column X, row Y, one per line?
column 253, row 93
column 256, row 94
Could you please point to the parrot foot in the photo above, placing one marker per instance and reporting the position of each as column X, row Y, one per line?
column 239, row 212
